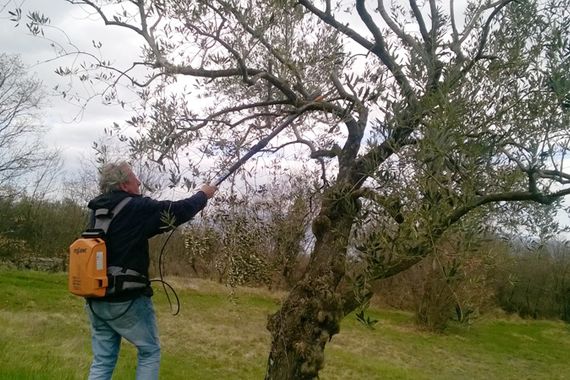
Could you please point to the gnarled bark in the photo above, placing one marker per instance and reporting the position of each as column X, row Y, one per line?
column 311, row 314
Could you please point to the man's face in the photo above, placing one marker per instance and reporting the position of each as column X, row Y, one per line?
column 132, row 185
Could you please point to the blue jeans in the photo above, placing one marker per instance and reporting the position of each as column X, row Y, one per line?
column 137, row 325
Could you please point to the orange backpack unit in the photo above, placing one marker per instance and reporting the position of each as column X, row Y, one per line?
column 87, row 270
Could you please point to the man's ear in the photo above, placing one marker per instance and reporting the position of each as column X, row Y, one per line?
column 122, row 186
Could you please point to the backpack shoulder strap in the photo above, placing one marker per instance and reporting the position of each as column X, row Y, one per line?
column 104, row 216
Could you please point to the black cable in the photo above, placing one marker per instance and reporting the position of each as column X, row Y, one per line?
column 173, row 291
column 161, row 276
column 161, row 280
column 110, row 319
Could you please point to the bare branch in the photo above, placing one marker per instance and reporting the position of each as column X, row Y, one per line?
column 253, row 117
column 369, row 162
column 519, row 163
column 455, row 34
column 227, row 73
column 228, row 47
column 247, row 106
column 380, row 49
column 106, row 20
column 341, row 90
column 434, row 21
column 301, row 140
column 561, row 177
column 328, row 153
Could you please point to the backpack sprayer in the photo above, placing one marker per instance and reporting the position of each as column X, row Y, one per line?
column 87, row 270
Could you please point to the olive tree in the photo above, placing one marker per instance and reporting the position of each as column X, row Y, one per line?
column 423, row 119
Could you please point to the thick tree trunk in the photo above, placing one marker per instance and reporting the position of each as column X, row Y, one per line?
column 311, row 314
column 306, row 322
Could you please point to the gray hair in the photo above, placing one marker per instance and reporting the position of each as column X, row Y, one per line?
column 112, row 175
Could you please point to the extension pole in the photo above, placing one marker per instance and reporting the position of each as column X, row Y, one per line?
column 257, row 147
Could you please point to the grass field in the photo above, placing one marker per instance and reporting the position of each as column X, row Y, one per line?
column 45, row 335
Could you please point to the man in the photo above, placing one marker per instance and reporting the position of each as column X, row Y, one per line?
column 129, row 313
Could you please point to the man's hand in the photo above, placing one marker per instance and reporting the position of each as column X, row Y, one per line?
column 209, row 190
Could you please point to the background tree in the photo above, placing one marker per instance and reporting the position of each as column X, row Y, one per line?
column 424, row 123
column 28, row 171
column 21, row 150
column 252, row 236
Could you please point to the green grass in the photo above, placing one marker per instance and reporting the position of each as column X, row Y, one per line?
column 45, row 335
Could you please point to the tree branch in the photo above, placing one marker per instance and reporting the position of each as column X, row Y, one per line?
column 421, row 23
column 369, row 162
column 514, row 196
column 484, row 36
column 559, row 176
column 391, row 204
column 245, row 24
column 99, row 10
column 378, row 47
column 380, row 50
column 233, row 72
column 434, row 22
column 408, row 39
column 455, row 45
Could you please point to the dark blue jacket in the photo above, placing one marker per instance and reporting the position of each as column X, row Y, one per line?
column 140, row 219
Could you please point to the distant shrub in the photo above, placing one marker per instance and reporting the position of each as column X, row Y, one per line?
column 456, row 282
column 537, row 284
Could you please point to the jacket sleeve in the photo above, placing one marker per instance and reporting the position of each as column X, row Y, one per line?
column 159, row 216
